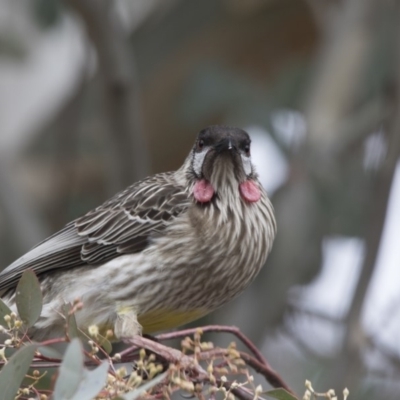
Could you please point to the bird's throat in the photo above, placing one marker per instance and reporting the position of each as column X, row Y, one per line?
column 203, row 191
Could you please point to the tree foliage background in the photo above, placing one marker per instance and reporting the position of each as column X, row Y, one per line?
column 96, row 94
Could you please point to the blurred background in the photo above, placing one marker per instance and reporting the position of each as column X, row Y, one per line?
column 95, row 94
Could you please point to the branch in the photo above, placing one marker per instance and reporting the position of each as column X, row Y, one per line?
column 121, row 92
column 355, row 338
column 168, row 354
column 269, row 374
column 240, row 392
column 184, row 368
column 217, row 328
column 343, row 54
column 258, row 363
column 189, row 363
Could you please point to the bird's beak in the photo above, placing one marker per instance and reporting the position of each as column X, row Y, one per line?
column 225, row 144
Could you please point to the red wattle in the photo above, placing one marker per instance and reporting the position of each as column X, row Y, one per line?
column 250, row 191
column 203, row 191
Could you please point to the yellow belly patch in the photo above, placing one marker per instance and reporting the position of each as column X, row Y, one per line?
column 160, row 320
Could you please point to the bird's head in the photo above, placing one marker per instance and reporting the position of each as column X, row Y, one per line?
column 220, row 161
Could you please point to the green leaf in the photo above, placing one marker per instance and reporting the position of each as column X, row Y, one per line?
column 70, row 373
column 72, row 326
column 135, row 394
column 92, row 382
column 74, row 382
column 4, row 310
column 105, row 344
column 280, row 394
column 29, row 298
column 50, row 352
column 13, row 373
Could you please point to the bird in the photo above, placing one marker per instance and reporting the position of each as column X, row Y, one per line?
column 166, row 251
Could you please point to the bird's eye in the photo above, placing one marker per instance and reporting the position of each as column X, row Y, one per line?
column 200, row 144
column 247, row 150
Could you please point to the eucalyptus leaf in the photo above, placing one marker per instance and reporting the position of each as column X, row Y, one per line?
column 135, row 394
column 74, row 382
column 105, row 344
column 280, row 394
column 92, row 382
column 4, row 310
column 70, row 372
column 13, row 373
column 50, row 352
column 72, row 326
column 29, row 298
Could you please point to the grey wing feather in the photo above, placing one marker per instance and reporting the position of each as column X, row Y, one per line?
column 122, row 225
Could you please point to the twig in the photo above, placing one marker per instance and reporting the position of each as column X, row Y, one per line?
column 187, row 364
column 239, row 392
column 169, row 354
column 258, row 362
column 53, row 341
column 176, row 356
column 269, row 374
column 217, row 328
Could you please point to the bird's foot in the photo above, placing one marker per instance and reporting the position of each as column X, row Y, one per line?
column 127, row 326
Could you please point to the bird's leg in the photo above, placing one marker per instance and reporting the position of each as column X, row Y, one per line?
column 128, row 329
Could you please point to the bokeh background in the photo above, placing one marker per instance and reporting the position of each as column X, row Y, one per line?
column 95, row 94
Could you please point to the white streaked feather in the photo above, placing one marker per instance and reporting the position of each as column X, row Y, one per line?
column 247, row 167
column 65, row 239
column 198, row 160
